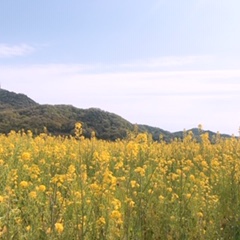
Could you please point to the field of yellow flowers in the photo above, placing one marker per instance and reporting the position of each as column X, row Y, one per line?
column 76, row 188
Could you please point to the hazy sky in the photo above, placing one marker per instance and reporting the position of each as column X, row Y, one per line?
column 172, row 64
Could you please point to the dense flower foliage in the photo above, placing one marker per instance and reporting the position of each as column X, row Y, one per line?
column 76, row 188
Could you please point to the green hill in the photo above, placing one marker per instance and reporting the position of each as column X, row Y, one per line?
column 13, row 100
column 17, row 112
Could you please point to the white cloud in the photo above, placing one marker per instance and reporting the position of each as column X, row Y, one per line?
column 169, row 61
column 175, row 63
column 73, row 77
column 7, row 50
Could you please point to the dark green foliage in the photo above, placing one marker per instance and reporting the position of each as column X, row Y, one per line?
column 18, row 112
column 14, row 100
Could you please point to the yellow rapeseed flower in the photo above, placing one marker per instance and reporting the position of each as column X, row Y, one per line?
column 94, row 187
column 130, row 202
column 26, row 156
column 150, row 191
column 116, row 203
column 105, row 156
column 59, row 227
column 116, row 216
column 28, row 228
column 200, row 214
column 192, row 177
column 118, row 165
column 204, row 163
column 101, row 221
column 161, row 198
column 174, row 197
column 142, row 138
column 71, row 169
column 78, row 125
column 42, row 188
column 188, row 195
column 42, row 161
column 133, row 183
column 24, row 184
column 140, row 170
column 78, row 129
column 174, row 176
column 32, row 194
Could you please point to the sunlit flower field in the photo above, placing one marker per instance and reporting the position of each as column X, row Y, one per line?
column 75, row 188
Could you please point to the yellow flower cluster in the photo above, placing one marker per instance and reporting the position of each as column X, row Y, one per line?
column 76, row 188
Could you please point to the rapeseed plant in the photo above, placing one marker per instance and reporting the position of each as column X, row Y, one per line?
column 76, row 188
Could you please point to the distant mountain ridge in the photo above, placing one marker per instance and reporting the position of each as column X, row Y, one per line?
column 18, row 111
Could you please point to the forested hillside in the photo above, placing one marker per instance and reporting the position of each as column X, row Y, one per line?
column 17, row 112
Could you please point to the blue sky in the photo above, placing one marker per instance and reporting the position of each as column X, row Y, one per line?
column 166, row 63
